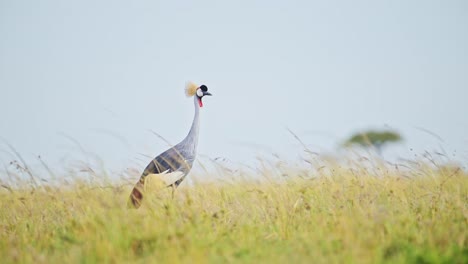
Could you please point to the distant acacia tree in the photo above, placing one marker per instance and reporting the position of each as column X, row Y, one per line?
column 376, row 139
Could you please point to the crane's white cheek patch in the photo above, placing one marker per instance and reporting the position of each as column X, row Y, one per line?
column 199, row 93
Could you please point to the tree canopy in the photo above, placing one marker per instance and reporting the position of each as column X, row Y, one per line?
column 373, row 138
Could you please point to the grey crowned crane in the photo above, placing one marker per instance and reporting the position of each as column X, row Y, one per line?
column 173, row 165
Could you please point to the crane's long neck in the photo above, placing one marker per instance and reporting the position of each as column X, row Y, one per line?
column 191, row 140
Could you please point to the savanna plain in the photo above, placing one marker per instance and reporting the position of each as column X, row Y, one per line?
column 310, row 211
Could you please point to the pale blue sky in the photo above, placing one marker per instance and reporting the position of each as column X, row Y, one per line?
column 106, row 72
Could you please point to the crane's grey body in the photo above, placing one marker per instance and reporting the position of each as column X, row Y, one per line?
column 173, row 165
column 179, row 158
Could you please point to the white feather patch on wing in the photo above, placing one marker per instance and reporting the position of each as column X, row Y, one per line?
column 164, row 179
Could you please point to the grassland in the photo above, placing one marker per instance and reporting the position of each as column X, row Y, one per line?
column 331, row 215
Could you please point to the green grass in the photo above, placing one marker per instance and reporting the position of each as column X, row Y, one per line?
column 342, row 216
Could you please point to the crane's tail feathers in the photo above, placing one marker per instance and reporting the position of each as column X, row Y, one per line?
column 136, row 196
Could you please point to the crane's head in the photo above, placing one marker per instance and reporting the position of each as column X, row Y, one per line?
column 192, row 89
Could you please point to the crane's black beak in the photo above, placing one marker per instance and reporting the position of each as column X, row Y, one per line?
column 206, row 93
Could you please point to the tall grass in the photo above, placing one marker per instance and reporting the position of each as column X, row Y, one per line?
column 279, row 213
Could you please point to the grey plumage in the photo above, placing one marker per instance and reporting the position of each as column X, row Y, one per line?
column 177, row 160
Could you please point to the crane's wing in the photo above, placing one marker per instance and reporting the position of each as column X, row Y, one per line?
column 171, row 160
column 170, row 167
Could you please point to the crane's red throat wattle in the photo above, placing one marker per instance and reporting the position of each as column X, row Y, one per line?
column 200, row 103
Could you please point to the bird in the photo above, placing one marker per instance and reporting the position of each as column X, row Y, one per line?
column 173, row 165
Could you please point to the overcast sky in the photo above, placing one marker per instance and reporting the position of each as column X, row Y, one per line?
column 107, row 73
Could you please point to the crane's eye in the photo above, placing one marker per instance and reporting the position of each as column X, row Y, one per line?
column 204, row 88
column 199, row 93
